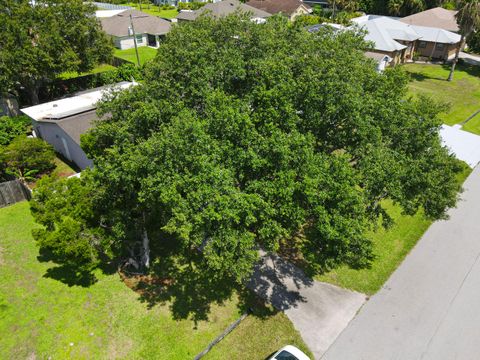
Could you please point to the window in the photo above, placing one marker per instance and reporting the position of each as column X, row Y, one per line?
column 439, row 46
column 422, row 44
column 139, row 39
column 285, row 355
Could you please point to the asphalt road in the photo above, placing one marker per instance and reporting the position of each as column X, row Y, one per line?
column 430, row 307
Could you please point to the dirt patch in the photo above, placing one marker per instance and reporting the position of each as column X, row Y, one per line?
column 120, row 348
column 146, row 285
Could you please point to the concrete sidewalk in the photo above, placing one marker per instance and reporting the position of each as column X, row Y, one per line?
column 318, row 311
column 429, row 308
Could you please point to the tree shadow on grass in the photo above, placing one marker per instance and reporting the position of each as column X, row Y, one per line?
column 190, row 289
column 70, row 274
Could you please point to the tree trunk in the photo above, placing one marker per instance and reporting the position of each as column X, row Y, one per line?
column 146, row 249
column 33, row 90
column 455, row 60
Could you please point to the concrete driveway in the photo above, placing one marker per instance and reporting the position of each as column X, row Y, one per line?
column 318, row 311
column 430, row 307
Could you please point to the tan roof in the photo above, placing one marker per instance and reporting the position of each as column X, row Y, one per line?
column 223, row 8
column 287, row 7
column 437, row 17
column 119, row 24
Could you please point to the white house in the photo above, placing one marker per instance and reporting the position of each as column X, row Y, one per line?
column 149, row 30
column 62, row 122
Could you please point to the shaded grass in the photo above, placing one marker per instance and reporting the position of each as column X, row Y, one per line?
column 98, row 69
column 145, row 54
column 463, row 93
column 63, row 168
column 153, row 10
column 42, row 317
column 390, row 246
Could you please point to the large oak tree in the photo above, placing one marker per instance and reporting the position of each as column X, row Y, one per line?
column 242, row 135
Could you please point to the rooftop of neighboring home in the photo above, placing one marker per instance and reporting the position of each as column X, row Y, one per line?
column 66, row 107
column 118, row 23
column 386, row 32
column 73, row 114
column 107, row 13
column 437, row 17
column 286, row 7
column 223, row 8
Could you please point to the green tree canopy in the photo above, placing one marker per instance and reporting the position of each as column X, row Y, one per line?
column 12, row 127
column 43, row 40
column 27, row 156
column 242, row 135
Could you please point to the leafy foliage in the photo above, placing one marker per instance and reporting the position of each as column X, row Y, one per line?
column 256, row 133
column 25, row 157
column 64, row 207
column 41, row 41
column 12, row 127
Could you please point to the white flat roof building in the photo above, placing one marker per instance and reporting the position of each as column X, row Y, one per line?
column 62, row 108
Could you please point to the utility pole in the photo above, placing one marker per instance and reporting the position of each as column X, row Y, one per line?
column 134, row 39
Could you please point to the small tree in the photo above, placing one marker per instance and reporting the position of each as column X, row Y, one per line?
column 25, row 157
column 468, row 19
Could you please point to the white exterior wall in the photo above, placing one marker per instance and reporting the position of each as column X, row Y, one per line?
column 127, row 42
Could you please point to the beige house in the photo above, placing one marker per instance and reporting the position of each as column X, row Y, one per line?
column 289, row 8
column 402, row 41
column 436, row 43
column 389, row 37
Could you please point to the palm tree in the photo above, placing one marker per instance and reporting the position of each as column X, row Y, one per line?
column 405, row 7
column 468, row 20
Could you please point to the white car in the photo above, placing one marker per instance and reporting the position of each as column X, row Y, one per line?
column 289, row 352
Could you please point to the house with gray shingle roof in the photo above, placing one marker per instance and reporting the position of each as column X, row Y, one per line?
column 223, row 8
column 149, row 30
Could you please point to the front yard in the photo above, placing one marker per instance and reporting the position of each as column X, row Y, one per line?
column 390, row 246
column 145, row 54
column 154, row 10
column 43, row 314
column 463, row 93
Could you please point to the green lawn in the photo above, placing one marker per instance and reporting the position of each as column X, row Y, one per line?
column 463, row 93
column 153, row 10
column 62, row 168
column 42, row 317
column 264, row 337
column 98, row 69
column 145, row 54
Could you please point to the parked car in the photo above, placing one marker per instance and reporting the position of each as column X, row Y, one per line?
column 289, row 352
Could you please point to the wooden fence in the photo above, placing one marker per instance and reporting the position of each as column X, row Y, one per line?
column 12, row 192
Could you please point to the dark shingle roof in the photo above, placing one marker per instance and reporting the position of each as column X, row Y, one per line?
column 119, row 24
column 223, row 8
column 287, row 7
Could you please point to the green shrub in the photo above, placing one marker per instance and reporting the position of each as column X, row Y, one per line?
column 125, row 72
column 12, row 127
column 28, row 156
